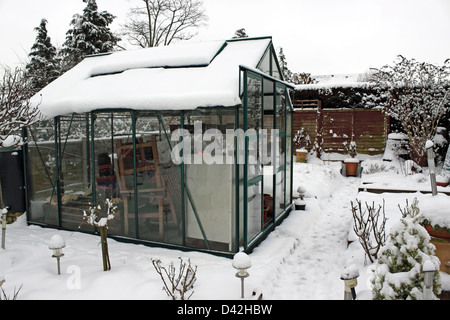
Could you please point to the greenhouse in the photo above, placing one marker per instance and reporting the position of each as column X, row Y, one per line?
column 192, row 142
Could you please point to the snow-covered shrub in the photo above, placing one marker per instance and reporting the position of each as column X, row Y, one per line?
column 417, row 95
column 397, row 274
column 375, row 166
column 301, row 139
column 369, row 228
column 101, row 223
column 177, row 283
column 16, row 109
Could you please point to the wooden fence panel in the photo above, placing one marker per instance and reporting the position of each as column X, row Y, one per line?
column 370, row 129
column 331, row 128
column 337, row 129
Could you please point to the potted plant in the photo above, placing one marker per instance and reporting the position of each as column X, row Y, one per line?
column 438, row 227
column 300, row 204
column 442, row 180
column 436, row 230
column 301, row 141
column 351, row 163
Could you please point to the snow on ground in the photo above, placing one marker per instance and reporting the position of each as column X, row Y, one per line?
column 303, row 258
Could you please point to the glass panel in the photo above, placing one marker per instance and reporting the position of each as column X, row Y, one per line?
column 254, row 164
column 269, row 65
column 289, row 159
column 280, row 158
column 264, row 65
column 268, row 151
column 171, row 177
column 42, row 173
column 209, row 179
column 275, row 71
column 74, row 169
column 158, row 179
column 114, row 167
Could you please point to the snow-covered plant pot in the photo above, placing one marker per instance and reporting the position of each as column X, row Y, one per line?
column 442, row 180
column 437, row 231
column 301, row 155
column 351, row 166
column 437, row 224
column 299, row 204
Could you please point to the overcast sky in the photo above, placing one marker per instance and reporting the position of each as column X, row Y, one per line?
column 317, row 36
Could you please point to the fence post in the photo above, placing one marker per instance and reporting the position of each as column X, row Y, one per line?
column 431, row 167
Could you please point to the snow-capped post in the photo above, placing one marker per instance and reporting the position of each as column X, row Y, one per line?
column 102, row 225
column 56, row 244
column 349, row 274
column 4, row 213
column 241, row 262
column 301, row 192
column 428, row 269
column 431, row 167
column 300, row 204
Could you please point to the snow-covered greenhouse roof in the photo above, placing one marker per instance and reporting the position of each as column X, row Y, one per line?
column 176, row 77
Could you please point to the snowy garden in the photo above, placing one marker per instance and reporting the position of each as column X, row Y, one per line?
column 303, row 258
column 364, row 235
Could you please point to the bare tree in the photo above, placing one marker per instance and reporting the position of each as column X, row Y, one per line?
column 159, row 22
column 16, row 110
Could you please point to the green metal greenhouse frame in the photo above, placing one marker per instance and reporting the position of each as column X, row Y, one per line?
column 241, row 225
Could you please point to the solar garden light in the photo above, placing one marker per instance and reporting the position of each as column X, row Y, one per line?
column 301, row 191
column 430, row 160
column 4, row 213
column 428, row 269
column 349, row 275
column 300, row 204
column 241, row 262
column 56, row 244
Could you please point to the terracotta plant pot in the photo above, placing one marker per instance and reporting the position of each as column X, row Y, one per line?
column 351, row 166
column 441, row 240
column 442, row 181
column 301, row 155
column 441, row 234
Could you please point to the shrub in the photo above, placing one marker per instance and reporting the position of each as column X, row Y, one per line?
column 398, row 272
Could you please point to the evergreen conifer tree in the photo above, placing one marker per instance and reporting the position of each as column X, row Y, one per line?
column 43, row 67
column 287, row 74
column 398, row 272
column 89, row 34
column 240, row 33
